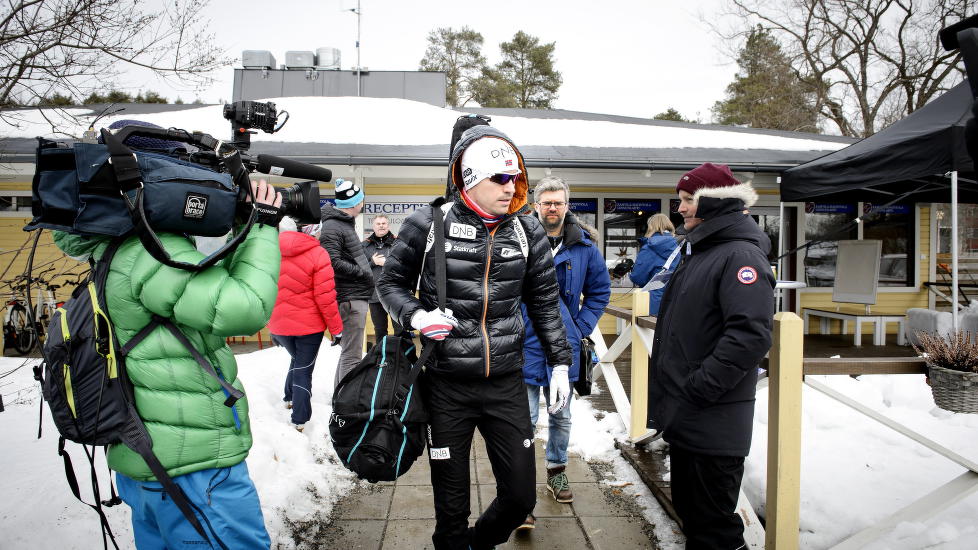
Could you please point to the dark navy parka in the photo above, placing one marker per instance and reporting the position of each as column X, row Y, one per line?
column 714, row 327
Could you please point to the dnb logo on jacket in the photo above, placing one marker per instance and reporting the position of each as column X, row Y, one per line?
column 747, row 275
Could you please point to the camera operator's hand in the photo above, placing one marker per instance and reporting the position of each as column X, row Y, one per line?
column 267, row 203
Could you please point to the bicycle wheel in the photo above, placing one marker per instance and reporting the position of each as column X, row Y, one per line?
column 23, row 333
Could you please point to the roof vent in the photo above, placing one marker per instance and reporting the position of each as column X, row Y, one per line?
column 300, row 60
column 257, row 59
column 328, row 59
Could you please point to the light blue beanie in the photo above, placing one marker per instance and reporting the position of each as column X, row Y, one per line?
column 348, row 194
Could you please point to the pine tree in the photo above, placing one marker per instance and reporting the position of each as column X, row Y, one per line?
column 766, row 92
column 525, row 78
column 672, row 114
column 457, row 53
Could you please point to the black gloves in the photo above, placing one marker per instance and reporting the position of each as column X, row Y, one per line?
column 267, row 214
column 336, row 339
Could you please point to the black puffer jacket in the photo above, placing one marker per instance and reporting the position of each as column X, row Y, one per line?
column 351, row 270
column 488, row 276
column 713, row 330
column 377, row 245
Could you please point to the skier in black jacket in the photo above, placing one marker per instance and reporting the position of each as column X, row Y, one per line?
column 713, row 330
column 497, row 257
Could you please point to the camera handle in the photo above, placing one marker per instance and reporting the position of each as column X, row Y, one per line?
column 129, row 178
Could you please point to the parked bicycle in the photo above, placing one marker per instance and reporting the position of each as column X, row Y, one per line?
column 18, row 332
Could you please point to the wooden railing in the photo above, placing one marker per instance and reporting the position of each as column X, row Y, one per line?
column 787, row 372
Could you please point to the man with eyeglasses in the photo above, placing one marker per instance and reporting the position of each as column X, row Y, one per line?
column 581, row 272
column 497, row 257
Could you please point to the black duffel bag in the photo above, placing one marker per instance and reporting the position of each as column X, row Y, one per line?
column 379, row 422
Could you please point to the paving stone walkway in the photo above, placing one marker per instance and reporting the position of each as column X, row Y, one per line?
column 401, row 515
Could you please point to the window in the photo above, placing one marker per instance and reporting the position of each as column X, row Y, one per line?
column 828, row 223
column 893, row 225
column 586, row 210
column 625, row 220
column 967, row 230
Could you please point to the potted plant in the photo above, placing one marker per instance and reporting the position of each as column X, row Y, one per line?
column 952, row 365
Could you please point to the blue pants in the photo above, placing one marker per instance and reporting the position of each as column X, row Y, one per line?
column 298, row 383
column 558, row 435
column 225, row 496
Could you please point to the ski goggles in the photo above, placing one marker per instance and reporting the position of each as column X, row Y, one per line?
column 502, row 179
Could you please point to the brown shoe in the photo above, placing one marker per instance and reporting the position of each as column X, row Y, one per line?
column 559, row 485
column 529, row 523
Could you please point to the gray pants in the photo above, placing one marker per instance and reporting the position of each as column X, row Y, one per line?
column 354, row 315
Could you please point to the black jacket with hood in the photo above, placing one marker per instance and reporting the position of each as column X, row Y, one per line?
column 351, row 270
column 488, row 276
column 714, row 327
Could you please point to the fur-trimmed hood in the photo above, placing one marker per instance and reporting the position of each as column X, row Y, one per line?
column 744, row 192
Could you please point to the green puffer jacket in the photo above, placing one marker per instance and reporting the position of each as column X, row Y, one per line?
column 182, row 407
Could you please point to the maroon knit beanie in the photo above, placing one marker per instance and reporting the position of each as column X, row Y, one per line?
column 706, row 175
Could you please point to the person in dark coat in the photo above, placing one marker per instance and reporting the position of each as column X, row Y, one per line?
column 354, row 279
column 656, row 247
column 714, row 328
column 581, row 272
column 376, row 247
column 497, row 257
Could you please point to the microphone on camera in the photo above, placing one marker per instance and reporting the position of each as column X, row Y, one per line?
column 278, row 166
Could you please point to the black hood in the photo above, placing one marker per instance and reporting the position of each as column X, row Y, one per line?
column 331, row 212
column 519, row 203
column 732, row 225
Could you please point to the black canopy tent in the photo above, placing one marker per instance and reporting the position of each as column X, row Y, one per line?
column 914, row 153
column 921, row 158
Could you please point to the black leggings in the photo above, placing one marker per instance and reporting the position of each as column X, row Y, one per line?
column 497, row 407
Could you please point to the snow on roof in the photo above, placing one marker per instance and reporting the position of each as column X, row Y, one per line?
column 394, row 121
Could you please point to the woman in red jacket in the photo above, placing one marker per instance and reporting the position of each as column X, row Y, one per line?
column 304, row 309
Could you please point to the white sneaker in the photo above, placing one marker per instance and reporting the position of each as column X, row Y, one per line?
column 299, row 427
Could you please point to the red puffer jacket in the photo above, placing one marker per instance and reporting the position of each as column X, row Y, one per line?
column 306, row 301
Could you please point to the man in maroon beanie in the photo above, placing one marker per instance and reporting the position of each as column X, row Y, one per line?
column 714, row 328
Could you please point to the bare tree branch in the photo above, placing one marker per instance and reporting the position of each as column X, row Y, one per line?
column 78, row 46
column 870, row 62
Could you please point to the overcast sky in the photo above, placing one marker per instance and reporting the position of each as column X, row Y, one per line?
column 631, row 57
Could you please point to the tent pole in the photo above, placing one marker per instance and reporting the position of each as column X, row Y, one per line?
column 780, row 275
column 954, row 251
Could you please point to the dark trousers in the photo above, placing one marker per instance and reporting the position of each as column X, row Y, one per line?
column 497, row 407
column 298, row 382
column 704, row 492
column 378, row 316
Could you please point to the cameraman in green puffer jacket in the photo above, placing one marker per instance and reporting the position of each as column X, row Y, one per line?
column 201, row 442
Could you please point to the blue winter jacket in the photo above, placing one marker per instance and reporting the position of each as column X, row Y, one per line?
column 580, row 271
column 651, row 257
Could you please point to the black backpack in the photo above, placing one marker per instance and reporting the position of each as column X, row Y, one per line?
column 379, row 422
column 84, row 381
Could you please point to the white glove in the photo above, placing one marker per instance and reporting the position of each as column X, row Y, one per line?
column 434, row 324
column 559, row 389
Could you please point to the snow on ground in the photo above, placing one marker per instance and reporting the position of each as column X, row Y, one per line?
column 855, row 471
column 365, row 120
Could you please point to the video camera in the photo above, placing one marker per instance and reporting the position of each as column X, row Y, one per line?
column 124, row 186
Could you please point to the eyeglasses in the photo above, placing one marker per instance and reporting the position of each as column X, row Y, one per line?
column 553, row 204
column 502, row 179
